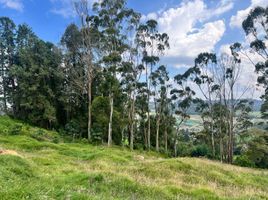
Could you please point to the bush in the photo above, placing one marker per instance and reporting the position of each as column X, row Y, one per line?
column 200, row 151
column 39, row 135
column 96, row 136
column 56, row 140
column 184, row 149
column 257, row 150
column 73, row 128
column 244, row 161
column 15, row 130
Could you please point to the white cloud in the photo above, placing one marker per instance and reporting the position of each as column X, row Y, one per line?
column 65, row 8
column 236, row 20
column 187, row 39
column 12, row 4
column 222, row 7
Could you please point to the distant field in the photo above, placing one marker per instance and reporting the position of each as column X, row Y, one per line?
column 39, row 165
column 195, row 121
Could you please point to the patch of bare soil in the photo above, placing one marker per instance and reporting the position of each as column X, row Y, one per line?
column 9, row 152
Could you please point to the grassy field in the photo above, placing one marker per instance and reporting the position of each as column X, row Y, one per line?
column 39, row 165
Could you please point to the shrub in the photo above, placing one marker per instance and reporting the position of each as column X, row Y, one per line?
column 56, row 140
column 15, row 130
column 257, row 150
column 38, row 135
column 200, row 151
column 244, row 161
column 184, row 149
column 73, row 128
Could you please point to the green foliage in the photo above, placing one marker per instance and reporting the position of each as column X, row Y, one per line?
column 244, row 161
column 15, row 129
column 200, row 151
column 104, row 60
column 184, row 149
column 100, row 115
column 255, row 25
column 73, row 128
column 257, row 150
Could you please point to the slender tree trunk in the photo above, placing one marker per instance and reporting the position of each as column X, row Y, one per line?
column 221, row 149
column 212, row 133
column 148, row 112
column 211, row 123
column 157, row 133
column 145, row 135
column 89, row 109
column 176, row 143
column 111, row 120
column 149, row 131
column 132, row 124
column 231, row 132
column 175, row 147
column 166, row 138
column 213, row 143
column 122, row 136
column 132, row 136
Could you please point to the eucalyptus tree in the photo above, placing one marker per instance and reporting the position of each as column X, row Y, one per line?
column 113, row 19
column 243, row 119
column 256, row 26
column 182, row 97
column 168, row 122
column 160, row 84
column 7, row 52
column 131, row 74
column 88, row 38
column 141, row 109
column 202, row 74
column 232, row 67
column 152, row 44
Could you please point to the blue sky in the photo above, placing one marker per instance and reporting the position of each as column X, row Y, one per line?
column 194, row 26
column 48, row 20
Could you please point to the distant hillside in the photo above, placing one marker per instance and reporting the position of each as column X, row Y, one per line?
column 192, row 110
column 37, row 164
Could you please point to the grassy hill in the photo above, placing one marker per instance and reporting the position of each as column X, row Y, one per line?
column 37, row 164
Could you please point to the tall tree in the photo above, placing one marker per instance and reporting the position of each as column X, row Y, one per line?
column 38, row 78
column 256, row 26
column 82, row 9
column 182, row 97
column 25, row 39
column 161, row 86
column 113, row 18
column 74, row 86
column 204, row 78
column 152, row 44
column 131, row 72
column 7, row 52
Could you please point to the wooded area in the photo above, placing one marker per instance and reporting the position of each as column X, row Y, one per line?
column 104, row 82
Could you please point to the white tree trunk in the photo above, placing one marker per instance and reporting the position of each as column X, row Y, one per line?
column 111, row 120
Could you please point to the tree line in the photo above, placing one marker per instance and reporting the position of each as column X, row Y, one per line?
column 104, row 82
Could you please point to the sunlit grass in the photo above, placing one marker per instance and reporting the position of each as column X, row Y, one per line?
column 49, row 170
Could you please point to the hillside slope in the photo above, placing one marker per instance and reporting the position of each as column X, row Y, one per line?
column 38, row 165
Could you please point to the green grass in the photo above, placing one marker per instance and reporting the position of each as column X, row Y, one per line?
column 47, row 168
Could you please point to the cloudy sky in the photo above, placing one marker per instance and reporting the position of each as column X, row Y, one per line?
column 194, row 26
